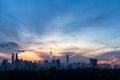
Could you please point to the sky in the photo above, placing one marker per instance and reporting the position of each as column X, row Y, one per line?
column 82, row 29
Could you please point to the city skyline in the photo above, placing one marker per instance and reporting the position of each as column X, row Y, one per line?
column 19, row 64
column 82, row 29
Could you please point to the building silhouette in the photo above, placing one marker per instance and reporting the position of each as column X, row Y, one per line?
column 4, row 64
column 18, row 64
column 93, row 63
column 67, row 58
column 12, row 57
column 51, row 56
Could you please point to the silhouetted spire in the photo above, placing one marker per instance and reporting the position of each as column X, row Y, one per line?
column 67, row 58
column 51, row 57
column 12, row 57
column 16, row 56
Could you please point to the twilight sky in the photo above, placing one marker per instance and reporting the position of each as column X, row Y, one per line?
column 80, row 28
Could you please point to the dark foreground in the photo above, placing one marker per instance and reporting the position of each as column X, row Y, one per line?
column 80, row 74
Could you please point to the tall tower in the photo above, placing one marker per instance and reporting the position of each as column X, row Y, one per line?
column 16, row 57
column 67, row 58
column 51, row 57
column 112, row 65
column 93, row 63
column 12, row 57
column 16, row 61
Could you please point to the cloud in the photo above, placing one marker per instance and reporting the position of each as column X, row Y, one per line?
column 31, row 18
column 30, row 22
column 109, row 57
column 72, row 48
column 8, row 47
column 74, row 57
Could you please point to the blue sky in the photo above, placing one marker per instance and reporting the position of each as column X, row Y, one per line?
column 84, row 28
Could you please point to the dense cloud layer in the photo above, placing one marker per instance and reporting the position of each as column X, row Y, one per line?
column 38, row 17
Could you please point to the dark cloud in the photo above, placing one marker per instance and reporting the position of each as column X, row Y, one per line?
column 8, row 47
column 20, row 51
column 107, row 55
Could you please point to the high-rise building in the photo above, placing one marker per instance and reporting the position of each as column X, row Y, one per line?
column 58, row 64
column 12, row 56
column 112, row 65
column 67, row 58
column 51, row 57
column 16, row 61
column 16, row 57
column 93, row 63
column 68, row 65
column 4, row 64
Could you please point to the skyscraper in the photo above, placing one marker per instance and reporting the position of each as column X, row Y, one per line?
column 16, row 61
column 12, row 57
column 67, row 58
column 16, row 57
column 58, row 64
column 93, row 63
column 51, row 57
column 4, row 64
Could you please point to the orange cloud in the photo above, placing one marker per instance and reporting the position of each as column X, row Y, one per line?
column 104, row 62
column 112, row 60
column 31, row 56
